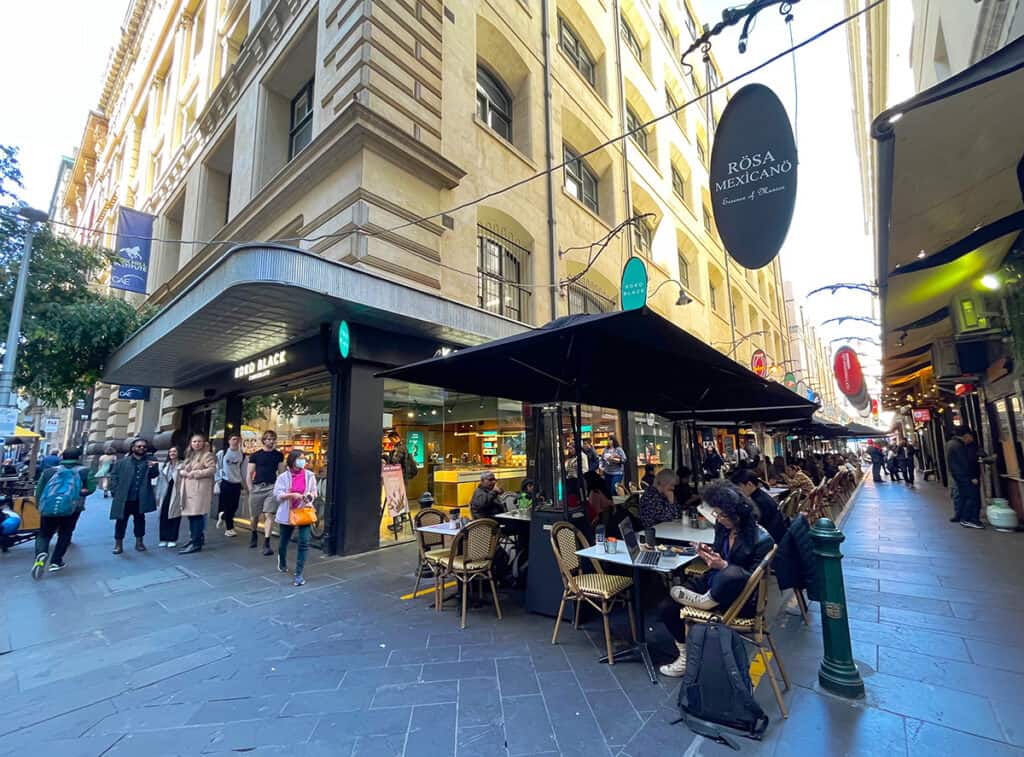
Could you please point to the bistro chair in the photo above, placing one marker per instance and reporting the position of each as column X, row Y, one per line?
column 753, row 629
column 432, row 549
column 470, row 558
column 598, row 589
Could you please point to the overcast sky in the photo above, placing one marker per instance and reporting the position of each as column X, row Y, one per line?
column 61, row 47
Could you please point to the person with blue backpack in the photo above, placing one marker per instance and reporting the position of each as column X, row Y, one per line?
column 60, row 495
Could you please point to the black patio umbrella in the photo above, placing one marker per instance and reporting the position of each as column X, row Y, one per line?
column 631, row 360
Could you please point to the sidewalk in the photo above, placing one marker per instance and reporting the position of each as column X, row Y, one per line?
column 217, row 653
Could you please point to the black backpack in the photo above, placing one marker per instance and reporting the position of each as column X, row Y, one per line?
column 716, row 688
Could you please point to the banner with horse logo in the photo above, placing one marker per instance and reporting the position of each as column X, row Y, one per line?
column 131, row 269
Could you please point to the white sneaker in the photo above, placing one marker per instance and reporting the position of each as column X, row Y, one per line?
column 162, row 544
column 230, row 532
column 676, row 669
column 171, row 544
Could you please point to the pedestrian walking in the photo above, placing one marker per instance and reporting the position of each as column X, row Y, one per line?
column 107, row 461
column 230, row 474
column 892, row 463
column 877, row 461
column 295, row 492
column 168, row 494
column 907, row 462
column 261, row 473
column 195, row 477
column 60, row 495
column 964, row 469
column 133, row 497
column 613, row 463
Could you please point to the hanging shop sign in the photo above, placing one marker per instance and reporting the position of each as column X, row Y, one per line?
column 759, row 363
column 922, row 415
column 261, row 367
column 849, row 376
column 131, row 392
column 344, row 340
column 634, row 284
column 134, row 238
column 753, row 176
column 789, row 381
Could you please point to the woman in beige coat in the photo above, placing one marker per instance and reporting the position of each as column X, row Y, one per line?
column 195, row 477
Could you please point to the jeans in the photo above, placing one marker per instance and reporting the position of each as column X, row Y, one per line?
column 63, row 526
column 966, row 500
column 229, row 496
column 131, row 510
column 908, row 472
column 876, row 471
column 197, row 529
column 302, row 538
column 613, row 479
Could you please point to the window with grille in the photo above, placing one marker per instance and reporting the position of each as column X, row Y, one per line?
column 300, row 125
column 678, row 184
column 580, row 181
column 570, row 43
column 633, row 124
column 500, row 264
column 493, row 103
column 630, row 39
column 587, row 302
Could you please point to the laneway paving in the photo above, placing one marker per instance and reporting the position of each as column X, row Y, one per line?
column 216, row 653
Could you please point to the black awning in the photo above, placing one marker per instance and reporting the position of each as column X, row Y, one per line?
column 632, row 360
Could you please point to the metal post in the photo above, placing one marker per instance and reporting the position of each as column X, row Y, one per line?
column 7, row 395
column 837, row 673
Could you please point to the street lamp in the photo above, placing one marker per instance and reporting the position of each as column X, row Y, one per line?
column 7, row 397
column 682, row 299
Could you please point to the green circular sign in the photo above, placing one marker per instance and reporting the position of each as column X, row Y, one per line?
column 344, row 339
column 634, row 284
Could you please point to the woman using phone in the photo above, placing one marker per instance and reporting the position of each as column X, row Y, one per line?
column 195, row 477
column 295, row 488
column 613, row 463
column 740, row 545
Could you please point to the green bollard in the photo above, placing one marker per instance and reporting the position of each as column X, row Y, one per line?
column 837, row 674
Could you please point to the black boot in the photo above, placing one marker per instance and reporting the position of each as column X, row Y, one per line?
column 192, row 547
column 267, row 551
column 254, row 539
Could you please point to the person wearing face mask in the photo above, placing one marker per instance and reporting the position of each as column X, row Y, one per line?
column 295, row 487
column 131, row 480
column 196, row 480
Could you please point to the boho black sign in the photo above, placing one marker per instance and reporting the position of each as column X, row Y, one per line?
column 753, row 176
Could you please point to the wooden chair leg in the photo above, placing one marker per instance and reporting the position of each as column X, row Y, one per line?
column 773, row 682
column 605, row 611
column 494, row 594
column 778, row 661
column 632, row 620
column 558, row 620
column 465, row 594
column 576, row 617
column 801, row 602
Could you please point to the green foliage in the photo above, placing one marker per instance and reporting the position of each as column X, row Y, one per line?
column 70, row 326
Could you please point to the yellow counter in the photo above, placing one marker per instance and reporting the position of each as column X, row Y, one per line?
column 455, row 487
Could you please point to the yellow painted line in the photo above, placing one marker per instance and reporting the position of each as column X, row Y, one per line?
column 424, row 592
column 757, row 669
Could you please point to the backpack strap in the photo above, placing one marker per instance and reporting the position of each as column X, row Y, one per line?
column 739, row 683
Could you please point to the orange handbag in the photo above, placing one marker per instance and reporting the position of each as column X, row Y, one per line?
column 304, row 515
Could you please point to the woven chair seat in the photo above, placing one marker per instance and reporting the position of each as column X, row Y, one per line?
column 460, row 563
column 704, row 616
column 436, row 555
column 602, row 585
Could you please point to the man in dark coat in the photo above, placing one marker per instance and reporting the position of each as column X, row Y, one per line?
column 965, row 471
column 485, row 502
column 131, row 479
column 877, row 461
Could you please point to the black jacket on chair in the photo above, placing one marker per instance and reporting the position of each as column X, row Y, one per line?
column 795, row 564
column 770, row 517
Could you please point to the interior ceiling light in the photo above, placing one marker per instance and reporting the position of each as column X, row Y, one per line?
column 990, row 281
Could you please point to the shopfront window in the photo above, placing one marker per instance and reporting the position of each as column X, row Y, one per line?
column 441, row 442
column 301, row 419
column 652, row 442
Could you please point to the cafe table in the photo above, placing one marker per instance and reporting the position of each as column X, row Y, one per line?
column 681, row 530
column 777, row 491
column 668, row 563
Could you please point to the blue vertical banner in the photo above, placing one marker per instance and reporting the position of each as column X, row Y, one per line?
column 131, row 269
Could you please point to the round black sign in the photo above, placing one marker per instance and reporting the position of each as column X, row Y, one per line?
column 753, row 176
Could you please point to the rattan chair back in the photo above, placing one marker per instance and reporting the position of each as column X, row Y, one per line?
column 428, row 516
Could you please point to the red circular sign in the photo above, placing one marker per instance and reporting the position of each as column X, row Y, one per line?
column 849, row 376
column 759, row 363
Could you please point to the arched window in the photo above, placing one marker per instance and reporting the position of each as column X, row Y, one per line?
column 571, row 45
column 580, row 181
column 633, row 124
column 630, row 39
column 500, row 265
column 586, row 301
column 684, row 271
column 493, row 103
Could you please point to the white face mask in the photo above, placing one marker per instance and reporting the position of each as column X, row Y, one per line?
column 300, row 463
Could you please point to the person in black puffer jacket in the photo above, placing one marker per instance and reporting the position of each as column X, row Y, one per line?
column 795, row 564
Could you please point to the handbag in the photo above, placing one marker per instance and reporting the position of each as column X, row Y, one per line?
column 304, row 515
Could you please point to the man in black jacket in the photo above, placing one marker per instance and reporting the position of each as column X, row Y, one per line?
column 964, row 470
column 877, row 461
column 485, row 502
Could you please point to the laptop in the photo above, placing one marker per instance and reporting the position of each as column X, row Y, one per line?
column 636, row 555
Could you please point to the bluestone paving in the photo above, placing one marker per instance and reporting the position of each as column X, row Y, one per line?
column 155, row 654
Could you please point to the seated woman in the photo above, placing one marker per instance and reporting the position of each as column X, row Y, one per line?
column 739, row 548
column 647, row 481
column 658, row 503
column 599, row 497
column 797, row 479
column 766, row 509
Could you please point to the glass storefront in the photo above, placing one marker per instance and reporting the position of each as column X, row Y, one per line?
column 652, row 442
column 442, row 442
